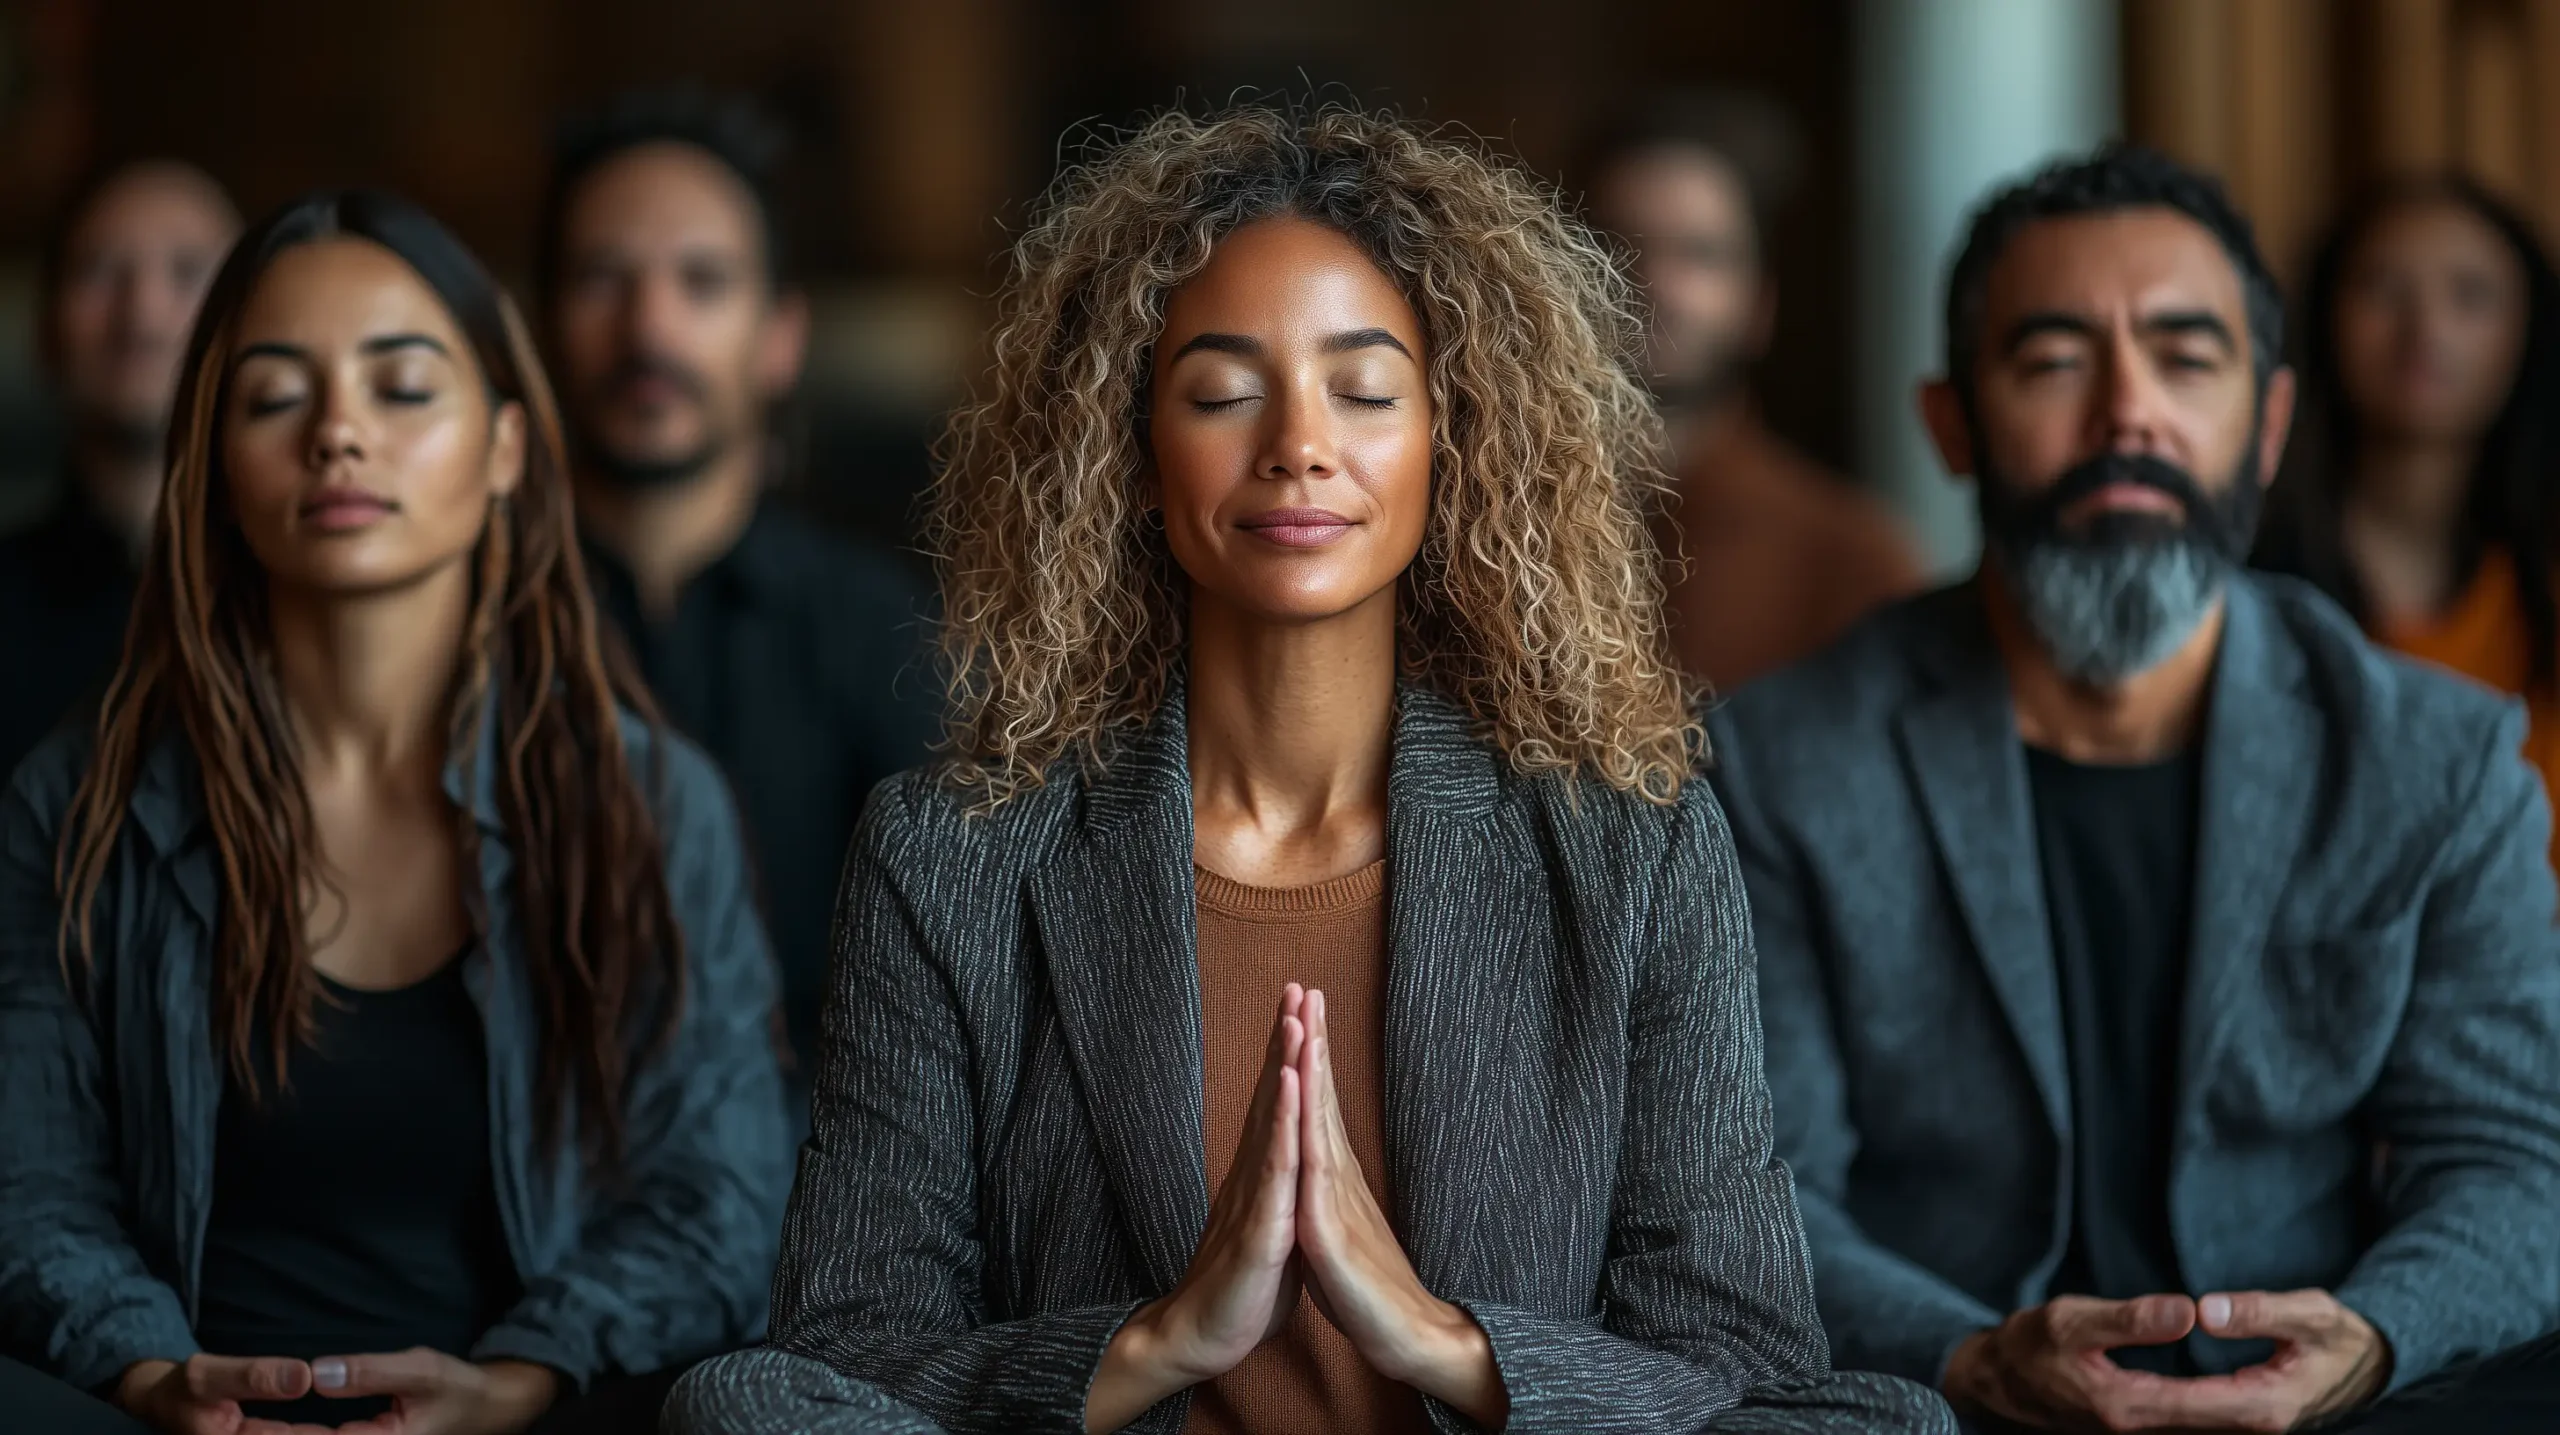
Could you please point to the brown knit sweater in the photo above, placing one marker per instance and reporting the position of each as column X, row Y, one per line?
column 1254, row 940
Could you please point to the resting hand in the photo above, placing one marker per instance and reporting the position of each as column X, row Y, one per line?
column 1359, row 1274
column 433, row 1393
column 2047, row 1366
column 2328, row 1359
column 202, row 1395
column 1243, row 1281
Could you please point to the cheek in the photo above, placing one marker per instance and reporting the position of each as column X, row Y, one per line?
column 444, row 481
column 1196, row 466
column 263, row 470
column 1395, row 464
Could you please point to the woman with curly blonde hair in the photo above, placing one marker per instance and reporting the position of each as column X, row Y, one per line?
column 1316, row 994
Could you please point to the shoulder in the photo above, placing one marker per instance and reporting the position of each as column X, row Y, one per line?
column 849, row 575
column 2382, row 709
column 1846, row 691
column 41, row 789
column 687, row 793
column 2370, row 692
column 927, row 828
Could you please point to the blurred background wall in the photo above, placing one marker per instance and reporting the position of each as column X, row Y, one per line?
column 923, row 127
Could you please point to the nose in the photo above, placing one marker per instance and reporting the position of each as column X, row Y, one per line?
column 2133, row 408
column 337, row 430
column 1298, row 440
column 649, row 309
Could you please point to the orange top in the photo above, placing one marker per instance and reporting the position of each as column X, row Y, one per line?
column 1254, row 940
column 2482, row 636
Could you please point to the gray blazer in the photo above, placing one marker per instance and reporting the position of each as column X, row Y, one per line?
column 2373, row 963
column 107, row 1098
column 1006, row 1155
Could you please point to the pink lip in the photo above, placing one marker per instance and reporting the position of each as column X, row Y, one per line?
column 1298, row 527
column 344, row 510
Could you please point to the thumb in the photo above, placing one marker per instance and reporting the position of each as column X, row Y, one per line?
column 2279, row 1315
column 405, row 1372
column 228, row 1377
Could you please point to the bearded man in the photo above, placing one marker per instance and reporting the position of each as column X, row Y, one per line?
column 2161, row 985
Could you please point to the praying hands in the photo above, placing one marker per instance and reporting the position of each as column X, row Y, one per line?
column 1296, row 1214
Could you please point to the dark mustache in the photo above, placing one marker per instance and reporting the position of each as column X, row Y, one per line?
column 2141, row 470
column 652, row 366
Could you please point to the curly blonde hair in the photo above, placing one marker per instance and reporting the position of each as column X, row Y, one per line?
column 1536, row 601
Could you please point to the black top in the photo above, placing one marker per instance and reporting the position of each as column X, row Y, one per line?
column 66, row 584
column 357, row 1212
column 2118, row 848
column 797, row 660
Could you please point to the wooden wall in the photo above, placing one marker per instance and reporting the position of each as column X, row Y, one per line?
column 2298, row 103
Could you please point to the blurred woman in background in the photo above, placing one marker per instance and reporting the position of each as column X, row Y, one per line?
column 2423, row 486
column 383, row 1019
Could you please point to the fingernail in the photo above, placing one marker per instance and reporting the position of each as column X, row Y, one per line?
column 329, row 1373
column 2215, row 1310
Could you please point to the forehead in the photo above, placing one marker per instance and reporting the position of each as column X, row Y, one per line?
column 1290, row 275
column 2438, row 229
column 333, row 294
column 2114, row 267
column 1668, row 183
column 155, row 205
column 662, row 193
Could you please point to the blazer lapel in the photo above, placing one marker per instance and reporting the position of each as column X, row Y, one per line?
column 1121, row 937
column 1456, row 935
column 2264, row 744
column 1960, row 741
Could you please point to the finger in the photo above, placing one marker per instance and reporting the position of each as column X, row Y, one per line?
column 226, row 1377
column 2085, row 1323
column 2301, row 1315
column 2241, row 1401
column 399, row 1372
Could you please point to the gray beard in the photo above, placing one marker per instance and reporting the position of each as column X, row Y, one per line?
column 2106, row 612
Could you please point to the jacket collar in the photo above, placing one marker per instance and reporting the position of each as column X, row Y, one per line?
column 168, row 791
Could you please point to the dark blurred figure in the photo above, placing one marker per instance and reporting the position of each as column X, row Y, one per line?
column 124, row 269
column 2421, row 493
column 1781, row 555
column 795, row 656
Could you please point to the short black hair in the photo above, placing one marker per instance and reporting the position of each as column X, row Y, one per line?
column 2113, row 177
column 1743, row 128
column 54, row 249
column 732, row 130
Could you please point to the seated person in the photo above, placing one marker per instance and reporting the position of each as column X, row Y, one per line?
column 1318, row 996
column 2162, row 994
column 384, row 1025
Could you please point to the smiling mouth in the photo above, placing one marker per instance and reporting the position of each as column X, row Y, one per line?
column 1298, row 527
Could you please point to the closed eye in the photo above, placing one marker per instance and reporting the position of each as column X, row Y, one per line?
column 1369, row 402
column 1214, row 406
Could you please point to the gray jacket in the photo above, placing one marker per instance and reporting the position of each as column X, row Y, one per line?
column 2373, row 965
column 1006, row 1156
column 107, row 1099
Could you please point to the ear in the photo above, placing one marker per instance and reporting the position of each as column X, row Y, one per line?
column 506, row 449
column 783, row 346
column 1942, row 411
column 2275, row 422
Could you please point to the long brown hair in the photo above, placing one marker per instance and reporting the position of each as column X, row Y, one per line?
column 593, row 916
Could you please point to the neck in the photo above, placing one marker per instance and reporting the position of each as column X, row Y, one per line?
column 2416, row 488
column 121, row 489
column 1290, row 724
column 2151, row 715
column 366, row 681
column 1701, row 426
column 666, row 534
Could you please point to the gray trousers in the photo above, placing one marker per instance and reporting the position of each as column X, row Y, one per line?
column 771, row 1392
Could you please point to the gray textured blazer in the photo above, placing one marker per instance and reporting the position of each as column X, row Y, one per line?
column 107, row 1097
column 2373, row 962
column 1006, row 1154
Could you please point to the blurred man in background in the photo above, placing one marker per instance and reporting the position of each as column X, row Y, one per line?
column 1781, row 556
column 123, row 271
column 794, row 656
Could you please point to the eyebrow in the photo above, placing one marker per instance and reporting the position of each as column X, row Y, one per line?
column 378, row 344
column 1247, row 346
column 2166, row 322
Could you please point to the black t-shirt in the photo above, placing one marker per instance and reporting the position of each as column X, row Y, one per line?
column 799, row 661
column 357, row 1212
column 2118, row 849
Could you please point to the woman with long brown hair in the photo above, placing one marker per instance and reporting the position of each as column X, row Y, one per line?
column 1319, row 995
column 383, row 1017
